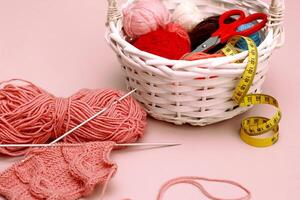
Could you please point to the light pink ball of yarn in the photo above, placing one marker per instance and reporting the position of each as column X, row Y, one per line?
column 143, row 16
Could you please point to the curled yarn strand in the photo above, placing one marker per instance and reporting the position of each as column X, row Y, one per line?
column 193, row 180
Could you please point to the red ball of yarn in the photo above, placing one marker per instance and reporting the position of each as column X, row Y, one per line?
column 30, row 115
column 171, row 42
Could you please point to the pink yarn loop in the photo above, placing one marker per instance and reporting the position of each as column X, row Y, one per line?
column 31, row 115
column 192, row 180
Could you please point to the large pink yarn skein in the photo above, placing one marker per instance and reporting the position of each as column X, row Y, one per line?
column 143, row 16
column 31, row 115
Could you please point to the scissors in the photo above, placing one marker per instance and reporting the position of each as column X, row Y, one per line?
column 229, row 30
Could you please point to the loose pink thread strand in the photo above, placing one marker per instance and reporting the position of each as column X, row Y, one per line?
column 193, row 181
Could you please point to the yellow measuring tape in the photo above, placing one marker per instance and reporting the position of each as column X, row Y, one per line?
column 253, row 127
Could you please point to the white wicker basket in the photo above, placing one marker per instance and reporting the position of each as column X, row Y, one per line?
column 174, row 94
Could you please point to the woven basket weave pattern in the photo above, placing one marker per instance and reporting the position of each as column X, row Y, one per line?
column 195, row 92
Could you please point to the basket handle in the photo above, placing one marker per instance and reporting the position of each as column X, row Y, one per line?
column 276, row 11
column 275, row 21
column 113, row 13
column 277, row 2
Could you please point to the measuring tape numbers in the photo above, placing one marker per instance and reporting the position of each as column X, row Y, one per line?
column 252, row 128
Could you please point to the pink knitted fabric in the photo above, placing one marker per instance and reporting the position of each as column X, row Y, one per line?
column 59, row 172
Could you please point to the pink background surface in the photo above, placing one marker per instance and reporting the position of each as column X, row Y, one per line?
column 59, row 45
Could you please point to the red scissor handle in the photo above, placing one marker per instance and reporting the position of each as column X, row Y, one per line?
column 229, row 14
column 252, row 18
column 226, row 31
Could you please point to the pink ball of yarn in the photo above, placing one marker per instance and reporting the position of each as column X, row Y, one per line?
column 30, row 115
column 144, row 16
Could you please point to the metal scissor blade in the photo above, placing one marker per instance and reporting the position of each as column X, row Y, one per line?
column 208, row 44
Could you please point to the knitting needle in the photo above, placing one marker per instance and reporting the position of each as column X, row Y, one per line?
column 91, row 118
column 77, row 144
column 86, row 121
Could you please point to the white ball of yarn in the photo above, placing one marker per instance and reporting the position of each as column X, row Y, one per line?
column 187, row 14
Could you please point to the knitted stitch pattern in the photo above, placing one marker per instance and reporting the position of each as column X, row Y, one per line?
column 59, row 172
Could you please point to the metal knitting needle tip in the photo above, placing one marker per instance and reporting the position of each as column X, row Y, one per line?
column 148, row 144
column 126, row 95
column 78, row 144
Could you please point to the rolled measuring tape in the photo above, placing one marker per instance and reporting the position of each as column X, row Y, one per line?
column 253, row 128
